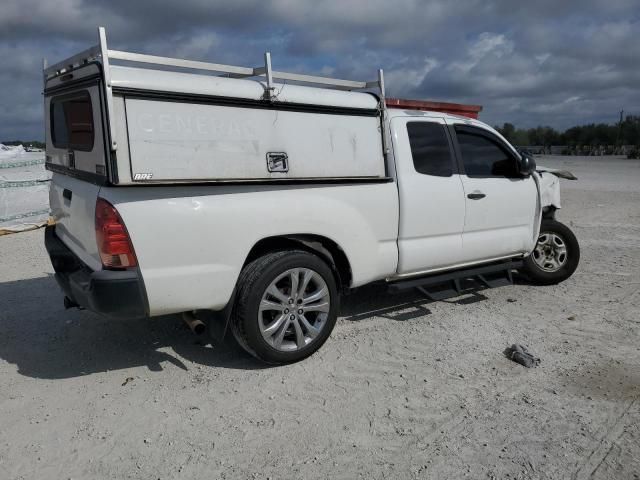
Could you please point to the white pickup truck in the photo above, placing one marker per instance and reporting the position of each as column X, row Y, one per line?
column 176, row 190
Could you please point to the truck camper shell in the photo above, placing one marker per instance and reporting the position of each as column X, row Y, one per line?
column 126, row 118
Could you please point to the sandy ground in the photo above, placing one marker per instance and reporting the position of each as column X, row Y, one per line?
column 404, row 388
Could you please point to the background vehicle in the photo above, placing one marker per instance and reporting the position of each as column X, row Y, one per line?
column 180, row 192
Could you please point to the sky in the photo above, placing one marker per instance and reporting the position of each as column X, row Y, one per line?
column 543, row 62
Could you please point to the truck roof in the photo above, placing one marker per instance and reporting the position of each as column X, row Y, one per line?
column 400, row 112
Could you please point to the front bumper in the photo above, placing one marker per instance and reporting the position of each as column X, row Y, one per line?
column 112, row 293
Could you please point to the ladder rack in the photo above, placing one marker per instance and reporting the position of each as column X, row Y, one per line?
column 102, row 54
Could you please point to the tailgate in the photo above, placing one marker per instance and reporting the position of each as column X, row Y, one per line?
column 73, row 205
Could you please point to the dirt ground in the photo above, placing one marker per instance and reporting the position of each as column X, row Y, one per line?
column 404, row 388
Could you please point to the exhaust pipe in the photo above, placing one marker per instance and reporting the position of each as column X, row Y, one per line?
column 197, row 326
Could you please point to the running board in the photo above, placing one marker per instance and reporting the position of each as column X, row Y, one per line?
column 449, row 284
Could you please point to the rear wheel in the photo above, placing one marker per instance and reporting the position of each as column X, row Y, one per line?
column 555, row 256
column 286, row 307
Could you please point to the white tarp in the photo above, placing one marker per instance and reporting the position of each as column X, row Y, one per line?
column 24, row 189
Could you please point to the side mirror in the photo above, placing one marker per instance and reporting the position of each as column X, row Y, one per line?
column 526, row 165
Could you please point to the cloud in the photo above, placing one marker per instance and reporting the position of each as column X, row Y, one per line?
column 523, row 61
column 487, row 44
column 196, row 46
column 406, row 76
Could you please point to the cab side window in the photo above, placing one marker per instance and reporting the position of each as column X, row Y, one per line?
column 483, row 157
column 430, row 149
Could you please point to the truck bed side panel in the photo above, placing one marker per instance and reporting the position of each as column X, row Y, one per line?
column 191, row 241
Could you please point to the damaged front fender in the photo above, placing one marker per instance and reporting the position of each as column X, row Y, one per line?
column 549, row 181
column 548, row 185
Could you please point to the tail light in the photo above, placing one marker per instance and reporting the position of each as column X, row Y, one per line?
column 113, row 240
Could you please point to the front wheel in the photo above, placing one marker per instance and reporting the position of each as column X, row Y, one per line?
column 286, row 306
column 555, row 256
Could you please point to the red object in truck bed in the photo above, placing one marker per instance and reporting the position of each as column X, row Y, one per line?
column 470, row 111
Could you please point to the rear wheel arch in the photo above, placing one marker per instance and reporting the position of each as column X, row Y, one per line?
column 325, row 248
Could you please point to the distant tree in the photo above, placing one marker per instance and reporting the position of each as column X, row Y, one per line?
column 508, row 131
column 630, row 130
column 521, row 137
column 545, row 136
column 515, row 136
column 625, row 133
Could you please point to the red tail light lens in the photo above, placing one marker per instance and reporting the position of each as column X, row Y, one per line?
column 113, row 240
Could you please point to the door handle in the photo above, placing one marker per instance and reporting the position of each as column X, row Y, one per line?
column 66, row 193
column 72, row 159
column 476, row 195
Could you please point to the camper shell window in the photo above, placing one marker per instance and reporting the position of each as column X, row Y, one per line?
column 72, row 122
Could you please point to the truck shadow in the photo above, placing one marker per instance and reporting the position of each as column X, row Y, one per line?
column 374, row 301
column 46, row 341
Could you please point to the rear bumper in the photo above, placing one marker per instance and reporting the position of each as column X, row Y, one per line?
column 112, row 293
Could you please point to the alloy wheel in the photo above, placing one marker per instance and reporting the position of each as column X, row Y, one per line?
column 294, row 309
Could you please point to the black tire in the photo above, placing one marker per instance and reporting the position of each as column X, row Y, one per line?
column 543, row 277
column 254, row 280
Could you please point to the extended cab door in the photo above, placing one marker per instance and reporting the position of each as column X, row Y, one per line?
column 432, row 200
column 500, row 204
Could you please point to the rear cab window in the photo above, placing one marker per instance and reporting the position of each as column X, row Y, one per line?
column 430, row 149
